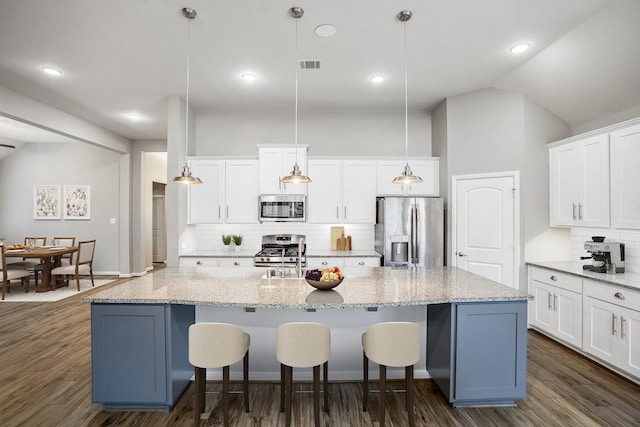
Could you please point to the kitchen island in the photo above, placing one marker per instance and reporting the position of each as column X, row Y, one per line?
column 474, row 328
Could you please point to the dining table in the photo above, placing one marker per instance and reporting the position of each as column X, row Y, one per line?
column 49, row 255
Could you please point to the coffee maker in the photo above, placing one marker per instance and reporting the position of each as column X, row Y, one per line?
column 607, row 257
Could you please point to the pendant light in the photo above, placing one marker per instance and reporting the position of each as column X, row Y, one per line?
column 186, row 177
column 296, row 176
column 407, row 176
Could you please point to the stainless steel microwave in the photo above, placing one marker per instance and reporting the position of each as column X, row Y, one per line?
column 282, row 208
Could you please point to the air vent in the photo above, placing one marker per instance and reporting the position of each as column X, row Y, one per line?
column 309, row 65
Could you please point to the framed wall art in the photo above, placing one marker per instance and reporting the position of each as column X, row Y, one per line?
column 46, row 202
column 77, row 202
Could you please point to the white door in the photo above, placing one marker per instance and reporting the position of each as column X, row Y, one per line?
column 485, row 226
column 159, row 245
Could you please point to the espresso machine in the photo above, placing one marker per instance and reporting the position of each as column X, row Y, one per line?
column 607, row 257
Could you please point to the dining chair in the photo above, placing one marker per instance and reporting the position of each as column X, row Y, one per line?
column 11, row 274
column 83, row 265
column 66, row 259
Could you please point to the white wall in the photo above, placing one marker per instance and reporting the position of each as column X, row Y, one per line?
column 64, row 164
column 336, row 133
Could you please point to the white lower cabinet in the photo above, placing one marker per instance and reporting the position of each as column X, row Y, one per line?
column 611, row 327
column 342, row 262
column 557, row 305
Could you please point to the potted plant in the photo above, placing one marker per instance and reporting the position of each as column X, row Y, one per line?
column 226, row 239
column 237, row 239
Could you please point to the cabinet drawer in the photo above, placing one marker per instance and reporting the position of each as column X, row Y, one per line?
column 236, row 262
column 561, row 280
column 623, row 297
column 199, row 262
column 328, row 262
column 362, row 262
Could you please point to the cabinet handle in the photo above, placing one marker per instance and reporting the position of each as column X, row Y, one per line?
column 227, row 212
column 337, row 211
column 618, row 295
column 198, row 262
column 361, row 263
column 219, row 212
column 325, row 263
column 549, row 300
column 622, row 326
column 345, row 211
column 555, row 302
column 574, row 212
column 613, row 324
column 236, row 263
column 580, row 211
column 554, row 278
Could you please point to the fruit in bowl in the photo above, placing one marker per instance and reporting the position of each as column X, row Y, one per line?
column 326, row 278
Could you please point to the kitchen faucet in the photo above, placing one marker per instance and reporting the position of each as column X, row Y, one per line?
column 282, row 272
column 299, row 261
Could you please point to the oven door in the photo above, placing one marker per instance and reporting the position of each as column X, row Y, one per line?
column 282, row 208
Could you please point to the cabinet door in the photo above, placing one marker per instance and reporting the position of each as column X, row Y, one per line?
column 563, row 181
column 206, row 199
column 601, row 329
column 276, row 162
column 625, row 176
column 359, row 191
column 568, row 312
column 241, row 191
column 593, row 188
column 428, row 170
column 324, row 200
column 630, row 341
column 541, row 314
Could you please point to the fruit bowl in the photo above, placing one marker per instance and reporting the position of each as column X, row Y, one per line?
column 323, row 285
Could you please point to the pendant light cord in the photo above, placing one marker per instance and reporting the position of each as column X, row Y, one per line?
column 296, row 109
column 406, row 97
column 186, row 133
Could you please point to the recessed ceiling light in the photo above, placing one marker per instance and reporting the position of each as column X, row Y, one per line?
column 378, row 78
column 134, row 116
column 519, row 48
column 325, row 30
column 250, row 77
column 51, row 71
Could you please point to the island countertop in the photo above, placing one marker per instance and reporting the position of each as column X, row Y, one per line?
column 362, row 287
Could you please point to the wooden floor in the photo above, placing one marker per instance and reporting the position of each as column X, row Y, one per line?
column 45, row 380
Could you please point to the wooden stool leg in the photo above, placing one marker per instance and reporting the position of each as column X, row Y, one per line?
column 325, row 373
column 365, row 385
column 383, row 392
column 282, row 385
column 316, row 395
column 200, row 374
column 225, row 395
column 288, row 395
column 245, row 382
column 409, row 388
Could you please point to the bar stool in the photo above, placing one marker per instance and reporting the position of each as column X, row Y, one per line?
column 217, row 345
column 395, row 344
column 303, row 345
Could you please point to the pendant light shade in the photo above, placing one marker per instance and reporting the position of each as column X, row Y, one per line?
column 186, row 177
column 296, row 177
column 407, row 176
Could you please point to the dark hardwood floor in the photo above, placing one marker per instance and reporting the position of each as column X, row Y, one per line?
column 45, row 380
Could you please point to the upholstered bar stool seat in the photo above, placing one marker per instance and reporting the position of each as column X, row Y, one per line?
column 303, row 345
column 395, row 344
column 218, row 345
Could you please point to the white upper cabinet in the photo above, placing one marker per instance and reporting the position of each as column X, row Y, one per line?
column 206, row 200
column 579, row 183
column 427, row 169
column 228, row 193
column 625, row 178
column 241, row 191
column 276, row 162
column 342, row 191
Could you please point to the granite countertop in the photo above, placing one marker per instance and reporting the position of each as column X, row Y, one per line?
column 626, row 280
column 362, row 287
column 312, row 254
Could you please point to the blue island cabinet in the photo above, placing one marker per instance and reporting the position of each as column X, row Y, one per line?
column 477, row 352
column 140, row 354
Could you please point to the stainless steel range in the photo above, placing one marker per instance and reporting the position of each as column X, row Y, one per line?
column 281, row 249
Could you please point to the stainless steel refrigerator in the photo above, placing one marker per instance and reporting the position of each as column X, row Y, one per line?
column 409, row 231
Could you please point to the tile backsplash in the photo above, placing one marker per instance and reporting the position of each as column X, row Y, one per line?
column 208, row 237
column 631, row 240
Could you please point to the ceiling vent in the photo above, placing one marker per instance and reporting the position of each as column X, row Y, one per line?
column 309, row 65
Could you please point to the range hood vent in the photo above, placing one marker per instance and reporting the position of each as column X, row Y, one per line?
column 309, row 65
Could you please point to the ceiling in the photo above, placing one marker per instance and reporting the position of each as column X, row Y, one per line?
column 123, row 56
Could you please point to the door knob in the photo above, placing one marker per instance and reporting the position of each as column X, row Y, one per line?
column 461, row 254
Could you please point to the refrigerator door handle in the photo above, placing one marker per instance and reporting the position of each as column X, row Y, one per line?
column 416, row 233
